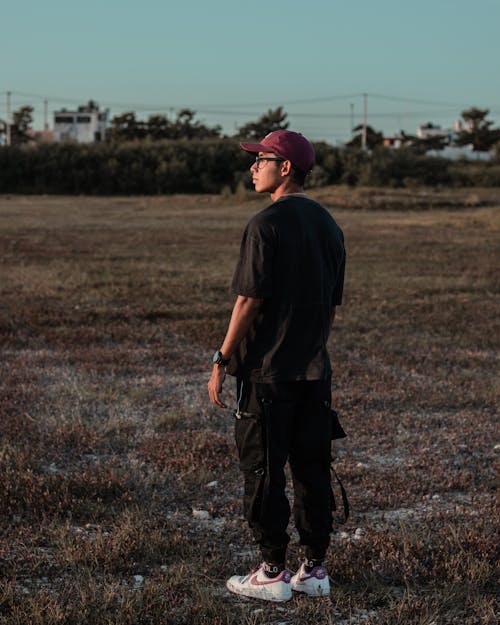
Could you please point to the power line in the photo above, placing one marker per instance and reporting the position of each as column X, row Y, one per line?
column 227, row 108
column 439, row 113
column 340, row 97
column 288, row 102
column 132, row 105
column 414, row 101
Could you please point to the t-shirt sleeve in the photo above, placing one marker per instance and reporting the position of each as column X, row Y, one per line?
column 253, row 273
column 339, row 284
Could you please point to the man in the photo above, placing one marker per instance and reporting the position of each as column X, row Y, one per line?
column 288, row 281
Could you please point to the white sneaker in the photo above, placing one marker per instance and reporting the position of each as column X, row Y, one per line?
column 259, row 586
column 314, row 584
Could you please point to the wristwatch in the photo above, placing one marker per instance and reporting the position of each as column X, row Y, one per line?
column 218, row 359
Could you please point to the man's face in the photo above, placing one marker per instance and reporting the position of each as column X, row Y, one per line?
column 266, row 175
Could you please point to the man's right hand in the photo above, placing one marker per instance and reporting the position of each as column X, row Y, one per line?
column 215, row 385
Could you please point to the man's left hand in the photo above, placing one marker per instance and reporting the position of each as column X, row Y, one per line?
column 215, row 385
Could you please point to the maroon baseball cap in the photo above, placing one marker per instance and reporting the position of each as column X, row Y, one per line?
column 292, row 146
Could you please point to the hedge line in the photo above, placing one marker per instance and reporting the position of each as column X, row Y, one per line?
column 209, row 166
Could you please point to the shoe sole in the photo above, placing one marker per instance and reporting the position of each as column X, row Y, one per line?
column 314, row 592
column 259, row 594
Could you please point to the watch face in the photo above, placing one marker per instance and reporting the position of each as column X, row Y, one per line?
column 218, row 359
column 216, row 356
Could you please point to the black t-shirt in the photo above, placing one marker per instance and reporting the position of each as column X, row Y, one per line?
column 292, row 256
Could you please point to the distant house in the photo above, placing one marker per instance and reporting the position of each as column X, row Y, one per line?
column 86, row 125
column 429, row 131
column 394, row 142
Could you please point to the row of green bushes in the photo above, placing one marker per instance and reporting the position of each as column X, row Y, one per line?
column 210, row 166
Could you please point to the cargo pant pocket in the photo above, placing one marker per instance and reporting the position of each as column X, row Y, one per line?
column 249, row 436
column 250, row 443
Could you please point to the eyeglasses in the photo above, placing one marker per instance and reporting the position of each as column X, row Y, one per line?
column 259, row 159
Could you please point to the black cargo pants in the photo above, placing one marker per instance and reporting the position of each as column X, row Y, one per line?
column 276, row 423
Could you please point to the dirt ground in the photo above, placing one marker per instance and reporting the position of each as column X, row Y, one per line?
column 121, row 497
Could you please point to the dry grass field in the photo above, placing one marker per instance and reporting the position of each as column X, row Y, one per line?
column 120, row 496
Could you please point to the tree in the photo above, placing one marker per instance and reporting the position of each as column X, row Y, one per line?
column 478, row 131
column 90, row 106
column 373, row 138
column 422, row 145
column 436, row 143
column 126, row 127
column 185, row 127
column 21, row 125
column 270, row 121
column 159, row 127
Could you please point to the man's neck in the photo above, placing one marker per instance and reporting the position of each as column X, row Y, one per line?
column 287, row 188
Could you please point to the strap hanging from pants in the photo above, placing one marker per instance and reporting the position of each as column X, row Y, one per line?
column 345, row 501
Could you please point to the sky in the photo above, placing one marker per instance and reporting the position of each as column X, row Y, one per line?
column 417, row 61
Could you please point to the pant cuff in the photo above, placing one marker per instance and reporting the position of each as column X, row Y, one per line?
column 315, row 553
column 274, row 556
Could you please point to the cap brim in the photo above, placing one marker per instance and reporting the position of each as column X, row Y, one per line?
column 254, row 148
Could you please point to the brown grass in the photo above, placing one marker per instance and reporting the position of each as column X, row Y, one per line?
column 110, row 309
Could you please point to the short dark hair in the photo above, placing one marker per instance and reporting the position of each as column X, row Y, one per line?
column 299, row 177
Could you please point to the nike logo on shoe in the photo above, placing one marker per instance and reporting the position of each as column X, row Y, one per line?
column 321, row 574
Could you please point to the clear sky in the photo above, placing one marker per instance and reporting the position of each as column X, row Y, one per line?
column 418, row 60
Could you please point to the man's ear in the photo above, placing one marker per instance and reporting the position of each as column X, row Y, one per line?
column 286, row 168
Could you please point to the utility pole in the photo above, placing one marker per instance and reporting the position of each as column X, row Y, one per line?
column 365, row 115
column 46, row 115
column 7, row 121
column 352, row 119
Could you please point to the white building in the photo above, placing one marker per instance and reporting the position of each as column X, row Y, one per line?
column 86, row 125
column 427, row 131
